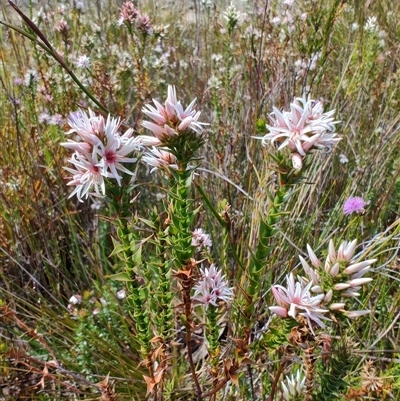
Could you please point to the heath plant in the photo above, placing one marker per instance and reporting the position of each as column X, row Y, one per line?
column 199, row 226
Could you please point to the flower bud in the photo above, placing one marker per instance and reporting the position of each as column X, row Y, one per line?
column 337, row 305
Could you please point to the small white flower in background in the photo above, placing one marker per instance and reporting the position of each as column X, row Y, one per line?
column 121, row 294
column 275, row 21
column 343, row 158
column 44, row 117
column 79, row 5
column 200, row 239
column 232, row 16
column 96, row 204
column 214, row 82
column 216, row 58
column 83, row 62
column 293, row 386
column 75, row 300
column 30, row 77
column 304, row 16
column 212, row 287
column 56, row 119
column 371, row 24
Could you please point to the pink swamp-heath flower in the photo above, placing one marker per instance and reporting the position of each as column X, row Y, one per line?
column 212, row 287
column 171, row 119
column 304, row 129
column 297, row 300
column 100, row 152
column 342, row 275
column 159, row 159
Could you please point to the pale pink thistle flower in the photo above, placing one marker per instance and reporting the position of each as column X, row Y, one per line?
column 354, row 205
column 99, row 154
column 86, row 175
column 88, row 127
column 113, row 151
column 340, row 273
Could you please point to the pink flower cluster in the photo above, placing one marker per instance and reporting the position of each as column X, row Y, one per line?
column 176, row 129
column 212, row 287
column 304, row 129
column 98, row 153
column 171, row 119
column 200, row 239
column 296, row 299
column 340, row 277
column 159, row 159
column 131, row 16
column 325, row 288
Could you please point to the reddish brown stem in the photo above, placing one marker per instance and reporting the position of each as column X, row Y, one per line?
column 216, row 388
column 276, row 381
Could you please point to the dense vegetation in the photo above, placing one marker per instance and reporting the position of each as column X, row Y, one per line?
column 102, row 298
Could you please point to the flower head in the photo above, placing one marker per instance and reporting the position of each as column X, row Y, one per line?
column 82, row 61
column 304, row 129
column 354, row 205
column 159, row 159
column 129, row 13
column 293, row 386
column 232, row 17
column 201, row 239
column 212, row 287
column 171, row 119
column 340, row 277
column 99, row 153
column 297, row 300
